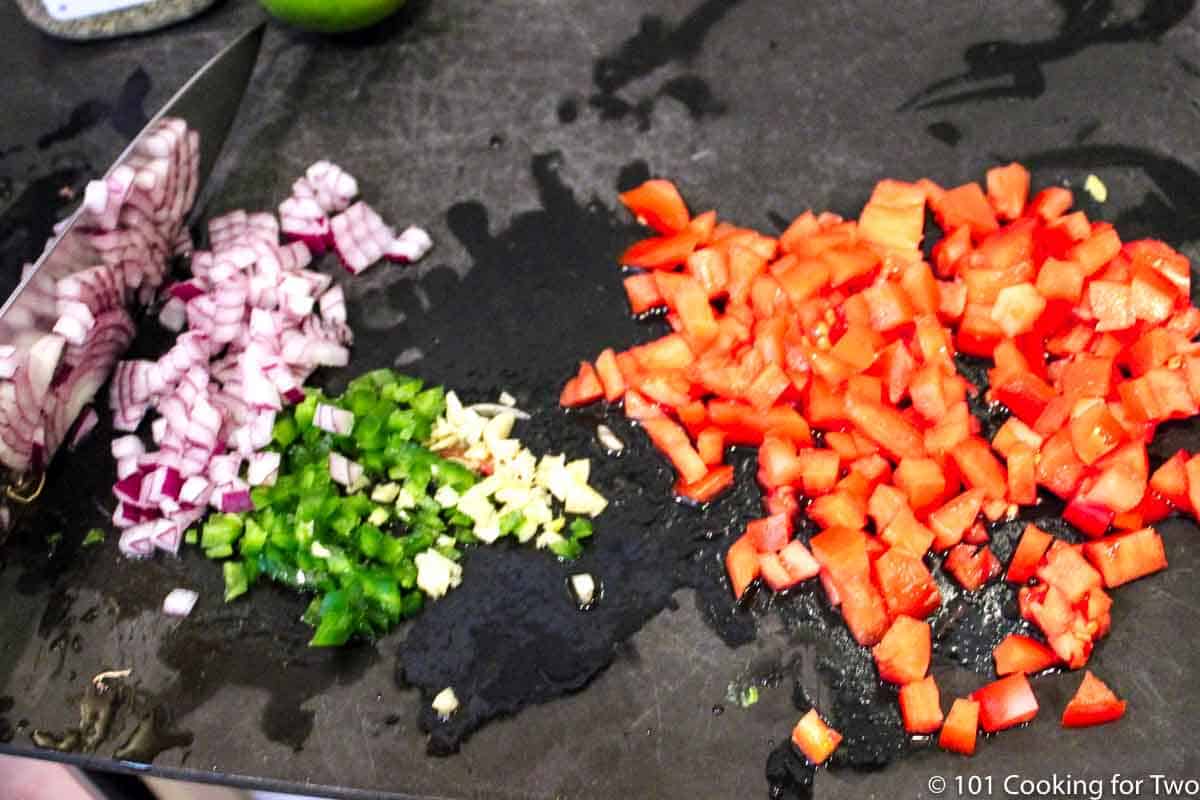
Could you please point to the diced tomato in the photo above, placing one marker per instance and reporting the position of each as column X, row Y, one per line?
column 1005, row 703
column 1025, row 559
column 906, row 533
column 950, row 522
column 662, row 252
column 894, row 216
column 1119, row 488
column 1171, row 480
column 1093, row 704
column 888, row 305
column 1017, row 309
column 1112, row 304
column 814, row 738
column 830, row 587
column 972, row 566
column 610, row 375
column 715, row 481
column 1024, row 393
column 767, row 387
column 673, row 442
column 850, row 264
column 863, row 609
column 801, row 228
column 643, row 293
column 965, row 205
column 886, row 426
column 1052, row 202
column 902, row 655
column 710, row 267
column 657, row 203
column 920, row 706
column 1022, row 654
column 1022, row 475
column 774, row 573
column 770, row 534
column 1127, row 556
column 782, row 500
column 885, row 502
column 979, row 468
column 583, row 389
column 798, row 561
column 839, row 509
column 710, row 444
column 1008, row 190
column 961, row 727
column 1059, row 469
column 1066, row 569
column 922, row 480
column 906, row 584
column 1097, row 250
column 818, row 470
column 670, row 352
column 742, row 564
column 1095, row 432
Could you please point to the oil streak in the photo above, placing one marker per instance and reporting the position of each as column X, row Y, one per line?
column 1019, row 66
column 656, row 44
column 126, row 114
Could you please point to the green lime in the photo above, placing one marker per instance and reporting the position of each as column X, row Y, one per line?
column 332, row 16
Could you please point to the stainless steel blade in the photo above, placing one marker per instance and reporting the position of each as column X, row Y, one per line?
column 209, row 103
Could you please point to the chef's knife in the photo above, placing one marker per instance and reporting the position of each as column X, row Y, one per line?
column 208, row 103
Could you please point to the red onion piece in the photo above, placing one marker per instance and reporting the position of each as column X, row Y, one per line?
column 87, row 423
column 343, row 470
column 179, row 602
column 333, row 419
column 263, row 469
column 410, row 246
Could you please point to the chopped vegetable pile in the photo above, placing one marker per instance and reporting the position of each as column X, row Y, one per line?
column 832, row 349
column 361, row 510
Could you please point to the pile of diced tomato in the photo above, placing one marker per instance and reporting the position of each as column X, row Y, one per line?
column 831, row 348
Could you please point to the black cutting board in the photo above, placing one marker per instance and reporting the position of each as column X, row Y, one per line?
column 506, row 129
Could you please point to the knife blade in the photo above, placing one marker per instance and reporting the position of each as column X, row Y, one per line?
column 208, row 103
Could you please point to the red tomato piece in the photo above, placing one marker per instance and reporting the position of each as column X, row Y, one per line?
column 672, row 441
column 906, row 533
column 1022, row 654
column 1005, row 703
column 950, row 522
column 1066, row 569
column 906, row 585
column 814, row 738
column 922, row 480
column 979, row 468
column 1093, row 704
column 1025, row 559
column 920, row 706
column 742, row 565
column 886, row 426
column 657, row 203
column 961, row 728
column 1127, row 556
column 717, row 480
column 798, row 561
column 971, row 566
column 902, row 655
column 1008, row 190
column 770, row 534
column 965, row 205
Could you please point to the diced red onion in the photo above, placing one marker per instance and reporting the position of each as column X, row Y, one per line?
column 179, row 602
column 263, row 468
column 333, row 420
column 410, row 246
column 343, row 470
column 87, row 423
